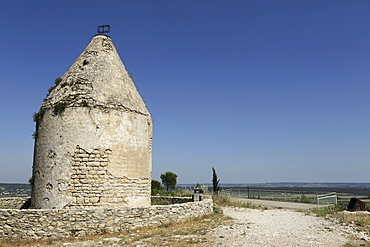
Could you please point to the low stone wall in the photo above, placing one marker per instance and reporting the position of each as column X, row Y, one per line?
column 15, row 202
column 60, row 223
column 168, row 200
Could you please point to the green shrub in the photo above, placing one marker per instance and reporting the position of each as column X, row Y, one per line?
column 156, row 187
column 34, row 135
column 304, row 199
column 38, row 115
column 51, row 89
column 57, row 80
column 331, row 209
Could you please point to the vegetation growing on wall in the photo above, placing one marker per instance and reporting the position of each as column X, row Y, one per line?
column 59, row 108
column 51, row 89
column 84, row 103
column 64, row 84
column 34, row 134
column 57, row 80
column 38, row 115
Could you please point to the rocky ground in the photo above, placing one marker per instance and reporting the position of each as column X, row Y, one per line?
column 248, row 227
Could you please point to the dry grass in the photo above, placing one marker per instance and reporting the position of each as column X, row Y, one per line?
column 185, row 233
column 359, row 222
column 352, row 244
column 223, row 201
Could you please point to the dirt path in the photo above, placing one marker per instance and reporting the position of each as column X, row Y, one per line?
column 276, row 227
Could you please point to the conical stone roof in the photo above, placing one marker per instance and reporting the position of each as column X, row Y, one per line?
column 97, row 78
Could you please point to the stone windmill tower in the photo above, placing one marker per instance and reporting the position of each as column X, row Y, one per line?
column 93, row 136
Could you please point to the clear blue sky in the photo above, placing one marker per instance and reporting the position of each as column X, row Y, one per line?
column 264, row 91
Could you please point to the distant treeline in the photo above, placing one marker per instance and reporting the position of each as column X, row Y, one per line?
column 15, row 186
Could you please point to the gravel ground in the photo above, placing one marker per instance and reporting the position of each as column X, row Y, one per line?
column 277, row 227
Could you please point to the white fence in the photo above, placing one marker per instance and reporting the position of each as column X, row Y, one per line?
column 282, row 195
column 329, row 198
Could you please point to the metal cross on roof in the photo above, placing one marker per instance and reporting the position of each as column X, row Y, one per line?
column 104, row 29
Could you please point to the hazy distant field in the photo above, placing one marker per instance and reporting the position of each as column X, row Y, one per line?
column 10, row 190
column 298, row 194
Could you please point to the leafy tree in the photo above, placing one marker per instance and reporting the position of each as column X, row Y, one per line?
column 169, row 180
column 215, row 181
column 156, row 187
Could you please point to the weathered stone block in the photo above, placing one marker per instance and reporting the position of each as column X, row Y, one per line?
column 82, row 155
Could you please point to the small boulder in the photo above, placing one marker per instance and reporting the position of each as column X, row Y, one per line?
column 356, row 205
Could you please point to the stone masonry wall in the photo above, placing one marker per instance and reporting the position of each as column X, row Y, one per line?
column 92, row 185
column 61, row 223
column 14, row 202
